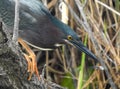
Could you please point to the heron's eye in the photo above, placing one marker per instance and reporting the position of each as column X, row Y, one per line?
column 69, row 37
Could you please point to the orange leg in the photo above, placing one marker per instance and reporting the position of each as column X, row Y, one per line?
column 31, row 59
column 29, row 62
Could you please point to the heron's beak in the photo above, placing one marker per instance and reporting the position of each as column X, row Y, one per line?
column 82, row 48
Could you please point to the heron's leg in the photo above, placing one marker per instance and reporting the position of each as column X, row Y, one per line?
column 31, row 59
column 28, row 61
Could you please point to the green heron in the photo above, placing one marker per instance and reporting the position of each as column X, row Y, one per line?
column 38, row 28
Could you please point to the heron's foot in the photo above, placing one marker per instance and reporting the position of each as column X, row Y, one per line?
column 32, row 65
column 31, row 59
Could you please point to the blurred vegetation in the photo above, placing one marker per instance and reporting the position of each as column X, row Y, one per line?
column 73, row 69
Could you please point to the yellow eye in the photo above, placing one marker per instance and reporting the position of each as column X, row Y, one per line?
column 69, row 37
